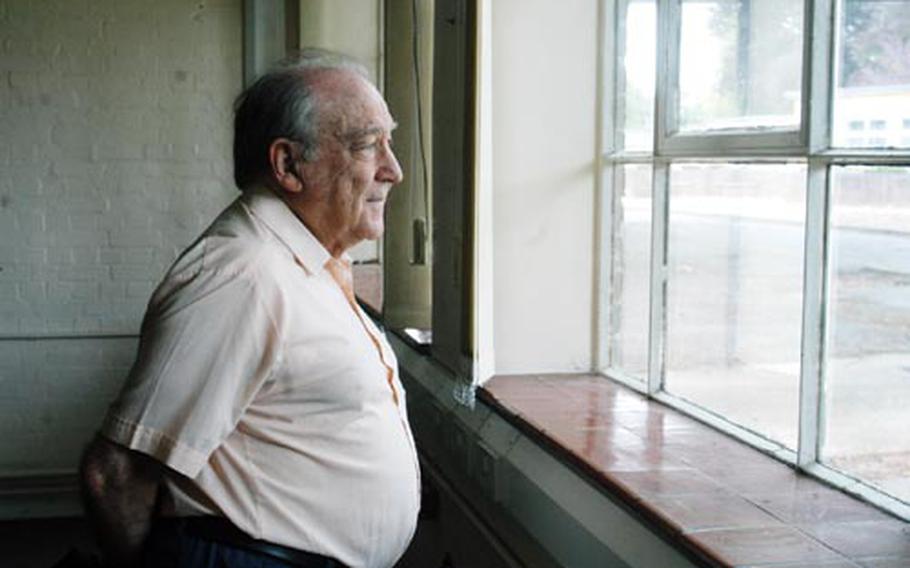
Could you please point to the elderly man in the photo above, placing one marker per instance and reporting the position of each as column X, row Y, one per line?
column 263, row 422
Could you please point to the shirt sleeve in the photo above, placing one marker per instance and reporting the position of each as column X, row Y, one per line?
column 206, row 349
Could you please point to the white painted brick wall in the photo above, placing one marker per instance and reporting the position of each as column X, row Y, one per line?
column 115, row 132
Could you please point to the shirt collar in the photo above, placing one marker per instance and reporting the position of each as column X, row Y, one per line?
column 290, row 230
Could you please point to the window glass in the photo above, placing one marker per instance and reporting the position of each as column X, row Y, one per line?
column 740, row 64
column 734, row 301
column 733, row 312
column 629, row 307
column 639, row 67
column 873, row 78
column 867, row 368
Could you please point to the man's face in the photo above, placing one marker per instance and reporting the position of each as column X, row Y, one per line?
column 347, row 184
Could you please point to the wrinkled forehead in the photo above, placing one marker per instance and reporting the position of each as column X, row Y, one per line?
column 348, row 102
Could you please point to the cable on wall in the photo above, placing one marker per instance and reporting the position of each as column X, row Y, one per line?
column 420, row 234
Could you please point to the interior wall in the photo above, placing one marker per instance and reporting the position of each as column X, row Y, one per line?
column 115, row 154
column 544, row 57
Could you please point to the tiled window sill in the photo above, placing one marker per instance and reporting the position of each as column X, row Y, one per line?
column 368, row 285
column 725, row 502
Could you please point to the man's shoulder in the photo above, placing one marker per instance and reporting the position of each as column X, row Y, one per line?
column 236, row 246
column 238, row 242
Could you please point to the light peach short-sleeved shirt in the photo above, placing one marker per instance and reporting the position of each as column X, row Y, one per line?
column 260, row 383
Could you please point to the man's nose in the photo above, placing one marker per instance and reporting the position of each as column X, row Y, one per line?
column 390, row 170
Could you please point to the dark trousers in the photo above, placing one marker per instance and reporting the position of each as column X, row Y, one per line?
column 173, row 544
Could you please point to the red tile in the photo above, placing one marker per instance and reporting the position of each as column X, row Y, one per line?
column 696, row 512
column 758, row 479
column 541, row 406
column 744, row 547
column 667, row 483
column 705, row 438
column 716, row 459
column 731, row 499
column 561, row 419
column 665, row 421
column 594, row 441
column 818, row 506
column 611, row 460
column 890, row 538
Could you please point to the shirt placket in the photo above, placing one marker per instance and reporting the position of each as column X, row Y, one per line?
column 340, row 270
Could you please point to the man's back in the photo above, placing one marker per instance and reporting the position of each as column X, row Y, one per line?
column 257, row 379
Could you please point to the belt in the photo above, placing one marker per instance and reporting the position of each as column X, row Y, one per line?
column 222, row 531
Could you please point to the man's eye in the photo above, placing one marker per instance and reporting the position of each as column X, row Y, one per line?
column 365, row 145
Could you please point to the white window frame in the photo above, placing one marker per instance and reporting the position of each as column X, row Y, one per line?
column 735, row 142
column 810, row 144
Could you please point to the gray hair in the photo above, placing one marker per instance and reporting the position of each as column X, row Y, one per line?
column 280, row 104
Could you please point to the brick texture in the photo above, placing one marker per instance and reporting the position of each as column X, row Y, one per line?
column 115, row 153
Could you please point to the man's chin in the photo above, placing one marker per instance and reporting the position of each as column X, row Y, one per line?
column 371, row 233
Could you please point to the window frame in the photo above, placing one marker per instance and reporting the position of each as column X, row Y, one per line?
column 672, row 143
column 810, row 144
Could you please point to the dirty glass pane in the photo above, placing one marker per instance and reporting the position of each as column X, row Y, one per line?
column 872, row 94
column 734, row 292
column 629, row 305
column 867, row 368
column 740, row 65
column 639, row 69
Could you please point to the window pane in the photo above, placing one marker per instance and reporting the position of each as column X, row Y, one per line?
column 740, row 64
column 867, row 369
column 639, row 68
column 873, row 80
column 629, row 307
column 735, row 292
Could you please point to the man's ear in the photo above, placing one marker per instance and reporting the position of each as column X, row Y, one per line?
column 284, row 157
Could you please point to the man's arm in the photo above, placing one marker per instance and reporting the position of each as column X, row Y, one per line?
column 120, row 488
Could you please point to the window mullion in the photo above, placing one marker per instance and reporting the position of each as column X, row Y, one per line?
column 609, row 53
column 667, row 11
column 619, row 76
column 660, row 188
column 817, row 85
column 607, row 266
column 813, row 325
column 667, row 67
column 605, row 186
column 817, row 74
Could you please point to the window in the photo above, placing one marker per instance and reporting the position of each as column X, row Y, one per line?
column 735, row 230
column 869, row 313
column 759, row 267
column 428, row 248
column 738, row 64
